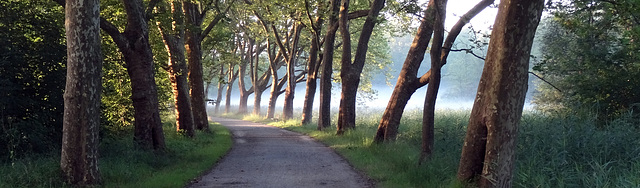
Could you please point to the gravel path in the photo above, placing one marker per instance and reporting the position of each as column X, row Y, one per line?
column 266, row 156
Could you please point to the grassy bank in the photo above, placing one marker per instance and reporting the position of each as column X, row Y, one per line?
column 552, row 151
column 123, row 166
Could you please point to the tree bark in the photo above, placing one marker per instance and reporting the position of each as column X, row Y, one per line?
column 434, row 81
column 135, row 47
column 488, row 154
column 242, row 70
column 408, row 82
column 346, row 113
column 174, row 43
column 81, row 121
column 259, row 82
column 194, row 38
column 324, row 119
column 312, row 64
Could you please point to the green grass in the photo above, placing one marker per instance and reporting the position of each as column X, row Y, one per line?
column 123, row 166
column 552, row 151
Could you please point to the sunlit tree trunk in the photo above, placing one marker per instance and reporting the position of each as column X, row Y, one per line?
column 488, row 153
column 173, row 37
column 324, row 119
column 194, row 37
column 81, row 121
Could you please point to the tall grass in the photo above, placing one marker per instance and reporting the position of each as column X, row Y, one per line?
column 123, row 166
column 552, row 151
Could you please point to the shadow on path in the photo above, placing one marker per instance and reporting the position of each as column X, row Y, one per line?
column 266, row 156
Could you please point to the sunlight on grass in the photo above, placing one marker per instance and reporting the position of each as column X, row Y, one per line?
column 552, row 151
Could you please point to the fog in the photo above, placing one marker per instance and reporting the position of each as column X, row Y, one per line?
column 457, row 90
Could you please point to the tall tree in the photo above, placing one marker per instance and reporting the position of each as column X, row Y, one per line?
column 488, row 153
column 172, row 31
column 195, row 15
column 434, row 79
column 324, row 113
column 79, row 156
column 315, row 59
column 350, row 72
column 138, row 57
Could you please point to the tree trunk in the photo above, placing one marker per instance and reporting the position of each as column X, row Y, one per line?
column 408, row 82
column 194, row 51
column 287, row 111
column 232, row 78
column 350, row 73
column 324, row 119
column 242, row 70
column 312, row 67
column 174, row 43
column 434, row 81
column 312, row 82
column 218, row 98
column 488, row 154
column 81, row 121
column 347, row 111
column 259, row 83
column 138, row 57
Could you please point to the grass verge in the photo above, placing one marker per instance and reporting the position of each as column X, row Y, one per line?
column 552, row 151
column 123, row 166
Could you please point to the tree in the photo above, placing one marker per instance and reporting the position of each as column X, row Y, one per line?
column 138, row 57
column 350, row 72
column 488, row 153
column 79, row 156
column 324, row 119
column 439, row 53
column 408, row 80
column 434, row 80
column 315, row 59
column 589, row 54
column 172, row 31
column 195, row 15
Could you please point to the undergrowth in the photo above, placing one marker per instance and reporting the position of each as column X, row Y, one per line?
column 123, row 166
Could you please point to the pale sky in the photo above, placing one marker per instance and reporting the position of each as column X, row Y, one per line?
column 482, row 21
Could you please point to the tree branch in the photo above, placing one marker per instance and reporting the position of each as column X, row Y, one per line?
column 358, row 14
column 545, row 81
column 215, row 21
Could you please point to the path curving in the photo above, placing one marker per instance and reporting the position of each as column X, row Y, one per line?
column 266, row 156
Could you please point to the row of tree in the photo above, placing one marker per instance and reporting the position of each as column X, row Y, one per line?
column 275, row 45
column 491, row 135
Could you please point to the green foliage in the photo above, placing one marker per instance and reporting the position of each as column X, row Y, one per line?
column 32, row 77
column 123, row 166
column 589, row 53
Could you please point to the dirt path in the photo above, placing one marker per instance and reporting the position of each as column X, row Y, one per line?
column 266, row 156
